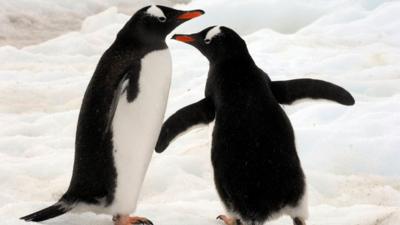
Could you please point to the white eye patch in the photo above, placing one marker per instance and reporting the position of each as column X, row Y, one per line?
column 212, row 33
column 156, row 12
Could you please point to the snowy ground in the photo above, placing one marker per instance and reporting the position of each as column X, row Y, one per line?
column 350, row 154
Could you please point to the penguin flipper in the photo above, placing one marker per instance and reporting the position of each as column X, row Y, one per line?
column 287, row 92
column 48, row 213
column 200, row 112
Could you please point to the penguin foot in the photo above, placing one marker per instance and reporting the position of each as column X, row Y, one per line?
column 139, row 220
column 229, row 220
column 131, row 220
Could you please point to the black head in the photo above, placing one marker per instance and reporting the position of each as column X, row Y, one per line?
column 216, row 43
column 153, row 23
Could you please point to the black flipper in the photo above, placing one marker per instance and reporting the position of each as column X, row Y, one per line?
column 286, row 92
column 132, row 91
column 48, row 213
column 200, row 112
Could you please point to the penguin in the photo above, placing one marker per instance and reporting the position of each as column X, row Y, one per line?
column 120, row 118
column 257, row 172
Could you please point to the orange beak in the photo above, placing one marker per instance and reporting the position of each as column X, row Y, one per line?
column 191, row 15
column 183, row 38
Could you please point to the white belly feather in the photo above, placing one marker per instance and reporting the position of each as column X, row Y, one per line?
column 136, row 126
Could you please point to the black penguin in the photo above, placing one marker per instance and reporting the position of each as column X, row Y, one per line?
column 120, row 119
column 257, row 171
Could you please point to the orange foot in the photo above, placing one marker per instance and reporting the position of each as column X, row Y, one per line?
column 130, row 220
column 229, row 220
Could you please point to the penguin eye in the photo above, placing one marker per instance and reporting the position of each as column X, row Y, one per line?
column 207, row 41
column 162, row 19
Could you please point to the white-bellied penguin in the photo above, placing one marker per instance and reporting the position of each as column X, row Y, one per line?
column 257, row 171
column 120, row 119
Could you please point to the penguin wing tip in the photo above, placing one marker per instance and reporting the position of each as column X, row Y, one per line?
column 159, row 150
column 352, row 103
column 160, row 146
column 349, row 100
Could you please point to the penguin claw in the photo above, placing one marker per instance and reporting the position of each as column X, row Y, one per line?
column 134, row 220
column 229, row 220
column 146, row 222
column 140, row 221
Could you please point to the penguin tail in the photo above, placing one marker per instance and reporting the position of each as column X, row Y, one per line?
column 55, row 210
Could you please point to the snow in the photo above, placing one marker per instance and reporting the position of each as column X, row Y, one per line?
column 350, row 154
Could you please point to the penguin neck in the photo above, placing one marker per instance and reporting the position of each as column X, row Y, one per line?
column 138, row 43
column 233, row 60
column 240, row 55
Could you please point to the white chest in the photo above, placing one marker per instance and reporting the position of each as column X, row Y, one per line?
column 136, row 126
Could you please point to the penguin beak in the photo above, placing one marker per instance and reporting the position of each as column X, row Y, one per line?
column 183, row 38
column 188, row 15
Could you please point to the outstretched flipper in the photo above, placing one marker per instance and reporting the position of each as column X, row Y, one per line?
column 200, row 112
column 287, row 92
